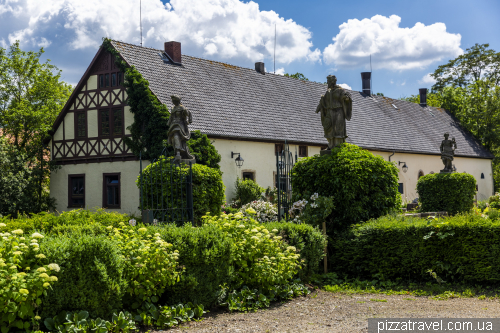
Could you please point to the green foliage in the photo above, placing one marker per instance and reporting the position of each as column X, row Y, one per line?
column 24, row 279
column 476, row 63
column 260, row 259
column 363, row 186
column 150, row 265
column 314, row 211
column 168, row 316
column 208, row 188
column 494, row 201
column 66, row 322
column 450, row 192
column 434, row 99
column 92, row 275
column 31, row 97
column 309, row 242
column 247, row 191
column 205, row 252
column 202, row 148
column 298, row 76
column 462, row 248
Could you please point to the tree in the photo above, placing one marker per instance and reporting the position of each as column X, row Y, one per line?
column 203, row 149
column 298, row 76
column 31, row 97
column 478, row 62
column 434, row 99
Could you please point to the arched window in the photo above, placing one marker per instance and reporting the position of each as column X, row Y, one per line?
column 420, row 173
column 482, row 175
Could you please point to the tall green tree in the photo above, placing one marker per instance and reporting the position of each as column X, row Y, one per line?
column 477, row 63
column 31, row 96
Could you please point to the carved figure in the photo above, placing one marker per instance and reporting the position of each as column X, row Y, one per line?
column 178, row 131
column 335, row 107
column 447, row 149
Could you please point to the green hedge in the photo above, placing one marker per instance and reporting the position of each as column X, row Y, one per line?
column 208, row 188
column 363, row 185
column 309, row 241
column 91, row 276
column 450, row 192
column 463, row 248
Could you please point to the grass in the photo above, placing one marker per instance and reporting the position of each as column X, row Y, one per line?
column 378, row 300
column 331, row 283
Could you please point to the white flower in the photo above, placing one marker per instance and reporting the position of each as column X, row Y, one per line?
column 54, row 267
column 18, row 232
column 132, row 222
column 40, row 256
column 37, row 235
column 3, row 225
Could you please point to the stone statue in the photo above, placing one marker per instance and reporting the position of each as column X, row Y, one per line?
column 178, row 131
column 448, row 148
column 335, row 107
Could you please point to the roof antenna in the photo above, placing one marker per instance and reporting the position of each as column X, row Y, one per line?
column 140, row 17
column 274, row 48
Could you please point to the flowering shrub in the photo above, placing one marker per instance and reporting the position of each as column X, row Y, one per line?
column 312, row 212
column 494, row 201
column 151, row 265
column 23, row 279
column 265, row 211
column 260, row 258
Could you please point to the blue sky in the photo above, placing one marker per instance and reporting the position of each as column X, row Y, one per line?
column 407, row 39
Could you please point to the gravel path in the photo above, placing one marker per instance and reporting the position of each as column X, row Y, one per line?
column 323, row 311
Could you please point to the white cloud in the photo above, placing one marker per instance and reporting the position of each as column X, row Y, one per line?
column 345, row 86
column 391, row 47
column 226, row 29
column 427, row 79
column 280, row 71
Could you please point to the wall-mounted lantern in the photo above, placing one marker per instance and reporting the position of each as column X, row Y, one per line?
column 405, row 167
column 239, row 160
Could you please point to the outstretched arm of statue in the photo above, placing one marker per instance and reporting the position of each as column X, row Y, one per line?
column 320, row 105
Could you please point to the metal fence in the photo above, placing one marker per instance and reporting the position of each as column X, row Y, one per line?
column 166, row 191
column 284, row 165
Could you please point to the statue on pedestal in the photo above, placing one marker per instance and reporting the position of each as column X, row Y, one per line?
column 447, row 149
column 335, row 107
column 178, row 131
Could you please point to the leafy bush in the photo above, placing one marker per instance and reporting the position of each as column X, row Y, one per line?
column 24, row 279
column 462, row 248
column 309, row 242
column 80, row 322
column 168, row 316
column 150, row 265
column 260, row 259
column 450, row 192
column 92, row 275
column 202, row 148
column 363, row 186
column 313, row 212
column 265, row 211
column 205, row 252
column 247, row 191
column 208, row 188
column 494, row 201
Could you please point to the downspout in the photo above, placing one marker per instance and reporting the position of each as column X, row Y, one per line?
column 394, row 152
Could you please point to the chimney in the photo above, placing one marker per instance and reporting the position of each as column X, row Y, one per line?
column 173, row 50
column 423, row 96
column 259, row 68
column 365, row 81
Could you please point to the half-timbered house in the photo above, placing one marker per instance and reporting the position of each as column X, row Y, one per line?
column 242, row 110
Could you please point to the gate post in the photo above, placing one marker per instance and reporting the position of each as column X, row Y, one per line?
column 190, row 194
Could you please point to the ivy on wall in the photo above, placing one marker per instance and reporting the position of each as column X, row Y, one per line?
column 149, row 129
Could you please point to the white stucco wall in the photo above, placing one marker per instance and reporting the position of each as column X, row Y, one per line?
column 259, row 157
column 129, row 170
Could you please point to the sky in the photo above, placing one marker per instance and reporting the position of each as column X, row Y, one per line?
column 407, row 40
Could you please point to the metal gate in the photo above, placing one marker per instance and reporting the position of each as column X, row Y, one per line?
column 166, row 191
column 284, row 165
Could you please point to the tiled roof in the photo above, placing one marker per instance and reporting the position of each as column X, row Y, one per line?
column 231, row 101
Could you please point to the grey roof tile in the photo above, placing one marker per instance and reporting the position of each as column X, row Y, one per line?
column 232, row 101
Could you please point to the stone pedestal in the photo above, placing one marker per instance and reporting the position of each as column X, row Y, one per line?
column 325, row 152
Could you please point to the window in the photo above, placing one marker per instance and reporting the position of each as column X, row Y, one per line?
column 278, row 148
column 111, row 190
column 400, row 188
column 110, row 80
column 482, row 175
column 249, row 175
column 81, row 124
column 420, row 174
column 111, row 122
column 302, row 151
column 76, row 191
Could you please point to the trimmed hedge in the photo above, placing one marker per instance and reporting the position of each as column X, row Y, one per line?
column 91, row 276
column 450, row 192
column 363, row 185
column 309, row 241
column 463, row 248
